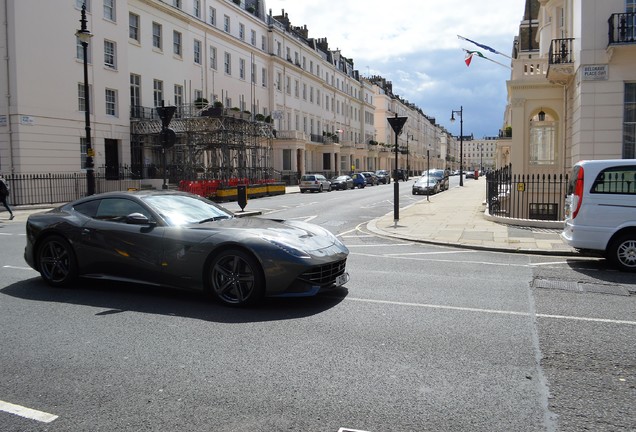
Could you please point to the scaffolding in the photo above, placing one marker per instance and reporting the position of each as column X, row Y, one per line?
column 228, row 146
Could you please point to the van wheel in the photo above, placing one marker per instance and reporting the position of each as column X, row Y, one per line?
column 622, row 252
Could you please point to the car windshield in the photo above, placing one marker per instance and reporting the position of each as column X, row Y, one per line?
column 183, row 210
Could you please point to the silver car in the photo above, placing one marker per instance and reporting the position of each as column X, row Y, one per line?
column 314, row 183
column 426, row 185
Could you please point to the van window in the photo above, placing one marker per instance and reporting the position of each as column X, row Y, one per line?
column 616, row 180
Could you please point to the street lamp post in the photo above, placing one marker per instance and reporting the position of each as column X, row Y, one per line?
column 461, row 141
column 396, row 124
column 481, row 158
column 84, row 37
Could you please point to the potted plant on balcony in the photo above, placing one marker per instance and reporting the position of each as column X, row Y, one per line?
column 216, row 110
column 259, row 117
column 200, row 103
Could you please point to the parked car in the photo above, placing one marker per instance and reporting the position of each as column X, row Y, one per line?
column 383, row 176
column 399, row 174
column 426, row 185
column 441, row 175
column 600, row 210
column 371, row 178
column 359, row 180
column 469, row 174
column 181, row 240
column 314, row 183
column 342, row 182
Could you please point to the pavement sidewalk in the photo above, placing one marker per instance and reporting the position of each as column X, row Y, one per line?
column 458, row 217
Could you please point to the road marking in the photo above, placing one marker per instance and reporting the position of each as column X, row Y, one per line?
column 350, row 430
column 379, row 245
column 431, row 253
column 491, row 311
column 17, row 267
column 29, row 413
column 402, row 257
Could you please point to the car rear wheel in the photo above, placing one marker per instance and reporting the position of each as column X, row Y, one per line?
column 235, row 278
column 56, row 261
column 622, row 252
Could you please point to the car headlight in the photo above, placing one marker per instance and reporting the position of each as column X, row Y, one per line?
column 287, row 248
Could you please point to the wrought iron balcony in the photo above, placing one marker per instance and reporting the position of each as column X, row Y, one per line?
column 561, row 51
column 560, row 61
column 622, row 28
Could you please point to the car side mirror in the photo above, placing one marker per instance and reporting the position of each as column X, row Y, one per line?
column 138, row 219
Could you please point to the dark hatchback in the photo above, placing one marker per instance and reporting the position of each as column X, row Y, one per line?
column 343, row 182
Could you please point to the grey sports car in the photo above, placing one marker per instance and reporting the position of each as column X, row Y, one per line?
column 181, row 240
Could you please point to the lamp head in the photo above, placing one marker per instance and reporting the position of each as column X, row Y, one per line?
column 452, row 119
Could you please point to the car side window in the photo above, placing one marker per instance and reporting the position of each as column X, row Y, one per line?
column 116, row 209
column 88, row 208
column 616, row 180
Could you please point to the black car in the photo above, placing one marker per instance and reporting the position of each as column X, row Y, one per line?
column 399, row 175
column 370, row 177
column 181, row 240
column 342, row 182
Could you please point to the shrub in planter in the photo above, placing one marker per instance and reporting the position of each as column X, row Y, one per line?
column 200, row 103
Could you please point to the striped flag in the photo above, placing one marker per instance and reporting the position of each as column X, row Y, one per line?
column 470, row 54
column 486, row 47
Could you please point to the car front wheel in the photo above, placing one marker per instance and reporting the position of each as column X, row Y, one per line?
column 56, row 261
column 235, row 278
column 622, row 252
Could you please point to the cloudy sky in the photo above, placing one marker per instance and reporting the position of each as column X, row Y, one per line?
column 414, row 44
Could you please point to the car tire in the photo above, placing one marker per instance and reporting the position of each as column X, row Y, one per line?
column 56, row 261
column 302, row 191
column 235, row 278
column 622, row 252
column 320, row 188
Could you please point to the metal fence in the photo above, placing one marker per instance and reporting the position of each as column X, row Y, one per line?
column 54, row 188
column 522, row 196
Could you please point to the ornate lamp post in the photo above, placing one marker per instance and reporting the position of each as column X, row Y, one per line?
column 84, row 37
column 461, row 141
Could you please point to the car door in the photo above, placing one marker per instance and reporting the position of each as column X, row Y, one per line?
column 114, row 247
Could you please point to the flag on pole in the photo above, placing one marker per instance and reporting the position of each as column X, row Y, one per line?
column 470, row 54
column 486, row 47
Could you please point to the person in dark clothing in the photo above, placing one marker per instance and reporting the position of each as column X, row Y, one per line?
column 4, row 195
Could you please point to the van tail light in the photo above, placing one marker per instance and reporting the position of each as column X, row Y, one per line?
column 577, row 196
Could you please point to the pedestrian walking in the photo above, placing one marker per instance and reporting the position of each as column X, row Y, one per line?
column 4, row 195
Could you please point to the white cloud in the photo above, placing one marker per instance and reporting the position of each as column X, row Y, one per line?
column 414, row 44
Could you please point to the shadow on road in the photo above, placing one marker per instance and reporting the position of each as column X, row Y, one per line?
column 116, row 297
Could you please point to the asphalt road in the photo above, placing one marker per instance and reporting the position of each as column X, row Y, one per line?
column 423, row 338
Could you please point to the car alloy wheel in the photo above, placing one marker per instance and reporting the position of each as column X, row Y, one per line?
column 56, row 261
column 622, row 252
column 236, row 278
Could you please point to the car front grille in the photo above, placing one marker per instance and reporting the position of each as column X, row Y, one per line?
column 325, row 274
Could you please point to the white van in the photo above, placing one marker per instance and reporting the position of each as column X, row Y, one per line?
column 600, row 210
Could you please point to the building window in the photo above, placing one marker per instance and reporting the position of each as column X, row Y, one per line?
column 213, row 57
column 227, row 65
column 242, row 32
column 264, row 77
column 176, row 3
column 197, row 51
column 81, row 97
column 157, row 88
column 133, row 26
column 279, row 80
column 111, row 102
column 80, row 51
column 253, row 38
column 156, row 35
column 109, row 10
column 629, row 119
column 287, row 159
column 178, row 95
column 242, row 68
column 212, row 16
column 135, row 94
column 253, row 72
column 110, row 54
column 83, row 148
column 542, row 139
column 226, row 23
column 176, row 43
column 196, row 4
column 263, row 43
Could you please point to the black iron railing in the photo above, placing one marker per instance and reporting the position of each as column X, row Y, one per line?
column 561, row 51
column 622, row 28
column 525, row 196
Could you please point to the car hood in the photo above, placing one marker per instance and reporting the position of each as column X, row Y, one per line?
column 303, row 236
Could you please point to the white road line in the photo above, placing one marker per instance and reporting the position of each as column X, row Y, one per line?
column 491, row 311
column 379, row 245
column 402, row 257
column 432, row 253
column 29, row 413
column 17, row 267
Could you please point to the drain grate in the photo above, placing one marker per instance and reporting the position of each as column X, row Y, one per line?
column 556, row 284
